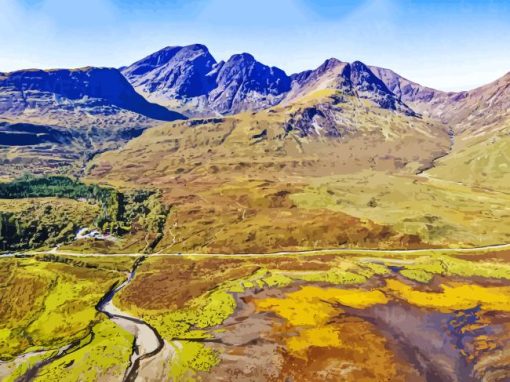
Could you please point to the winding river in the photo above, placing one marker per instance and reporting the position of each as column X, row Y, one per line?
column 147, row 342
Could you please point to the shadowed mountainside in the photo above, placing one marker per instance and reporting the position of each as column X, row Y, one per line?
column 85, row 90
column 56, row 119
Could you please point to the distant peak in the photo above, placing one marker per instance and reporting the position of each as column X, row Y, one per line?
column 57, row 71
column 358, row 65
column 197, row 47
column 163, row 56
column 332, row 61
column 189, row 47
column 192, row 47
column 242, row 57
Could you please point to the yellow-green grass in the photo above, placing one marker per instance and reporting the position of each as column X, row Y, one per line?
column 190, row 358
column 480, row 161
column 441, row 213
column 46, row 305
column 424, row 268
column 104, row 355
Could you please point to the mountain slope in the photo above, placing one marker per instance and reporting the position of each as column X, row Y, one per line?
column 480, row 109
column 237, row 176
column 87, row 90
column 479, row 121
column 475, row 110
column 407, row 91
column 93, row 108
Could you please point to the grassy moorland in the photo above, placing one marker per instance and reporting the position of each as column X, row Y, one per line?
column 220, row 316
column 479, row 161
column 441, row 213
column 204, row 306
column 48, row 303
column 263, row 182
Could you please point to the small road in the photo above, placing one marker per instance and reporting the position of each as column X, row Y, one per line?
column 340, row 251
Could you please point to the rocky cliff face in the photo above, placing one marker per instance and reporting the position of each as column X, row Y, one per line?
column 190, row 79
column 242, row 83
column 179, row 72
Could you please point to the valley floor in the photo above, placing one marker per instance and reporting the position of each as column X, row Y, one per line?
column 431, row 315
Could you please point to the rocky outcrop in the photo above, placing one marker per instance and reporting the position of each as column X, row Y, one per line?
column 242, row 83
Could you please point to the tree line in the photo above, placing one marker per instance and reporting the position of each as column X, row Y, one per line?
column 119, row 213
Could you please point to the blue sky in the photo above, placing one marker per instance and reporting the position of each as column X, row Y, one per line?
column 449, row 45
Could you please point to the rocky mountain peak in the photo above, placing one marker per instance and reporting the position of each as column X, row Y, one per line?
column 243, row 83
column 175, row 71
column 190, row 79
column 244, row 70
column 364, row 79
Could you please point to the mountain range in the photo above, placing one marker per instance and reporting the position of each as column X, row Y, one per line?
column 101, row 108
column 186, row 219
column 190, row 82
column 189, row 79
